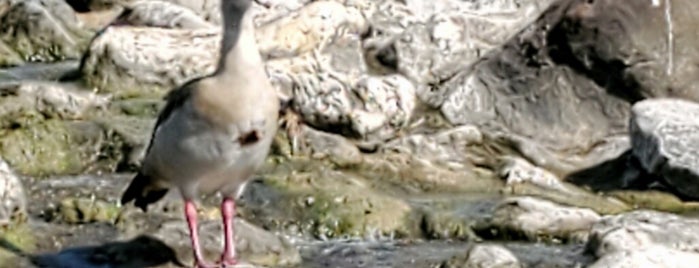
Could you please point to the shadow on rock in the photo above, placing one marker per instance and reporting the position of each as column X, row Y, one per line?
column 142, row 251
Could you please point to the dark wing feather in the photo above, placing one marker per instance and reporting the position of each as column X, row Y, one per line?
column 173, row 100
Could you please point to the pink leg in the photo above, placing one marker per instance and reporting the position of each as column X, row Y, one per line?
column 190, row 211
column 228, row 212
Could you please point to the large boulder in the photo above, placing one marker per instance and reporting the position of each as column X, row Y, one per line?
column 664, row 133
column 40, row 31
column 644, row 237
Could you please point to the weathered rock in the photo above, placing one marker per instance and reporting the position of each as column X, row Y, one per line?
column 450, row 147
column 82, row 210
column 660, row 257
column 41, row 31
column 485, row 256
column 23, row 100
column 39, row 135
column 436, row 39
column 13, row 201
column 641, row 230
column 13, row 215
column 160, row 60
column 311, row 27
column 663, row 133
column 367, row 108
column 164, row 14
column 334, row 147
column 321, row 203
column 165, row 223
column 527, row 86
column 535, row 219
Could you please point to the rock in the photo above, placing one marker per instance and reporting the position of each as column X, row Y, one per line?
column 13, row 201
column 450, row 147
column 334, row 147
column 535, row 219
column 660, row 257
column 255, row 245
column 24, row 100
column 165, row 222
column 641, row 230
column 40, row 132
column 83, row 210
column 662, row 133
column 164, row 14
column 316, row 202
column 526, row 87
column 485, row 256
column 309, row 28
column 44, row 31
column 160, row 60
column 13, row 216
column 366, row 108
column 437, row 39
column 141, row 251
column 209, row 10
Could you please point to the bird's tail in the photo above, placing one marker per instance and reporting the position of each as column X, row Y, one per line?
column 143, row 191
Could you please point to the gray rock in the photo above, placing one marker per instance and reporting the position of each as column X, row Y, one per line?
column 660, row 257
column 255, row 245
column 311, row 27
column 642, row 230
column 449, row 147
column 162, row 14
column 159, row 61
column 489, row 256
column 42, row 31
column 534, row 218
column 436, row 39
column 663, row 133
column 334, row 147
column 13, row 202
column 50, row 100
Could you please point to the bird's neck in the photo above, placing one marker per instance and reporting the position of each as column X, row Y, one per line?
column 239, row 50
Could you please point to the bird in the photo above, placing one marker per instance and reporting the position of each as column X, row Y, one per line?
column 213, row 133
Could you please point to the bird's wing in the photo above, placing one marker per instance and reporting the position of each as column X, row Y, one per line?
column 173, row 100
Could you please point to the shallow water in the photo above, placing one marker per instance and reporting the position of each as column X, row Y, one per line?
column 65, row 245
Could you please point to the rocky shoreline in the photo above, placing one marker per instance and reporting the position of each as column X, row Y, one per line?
column 515, row 133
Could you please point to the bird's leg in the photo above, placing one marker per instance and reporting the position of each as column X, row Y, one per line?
column 190, row 211
column 227, row 213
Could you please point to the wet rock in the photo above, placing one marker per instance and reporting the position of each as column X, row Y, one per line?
column 662, row 132
column 166, row 223
column 43, row 31
column 41, row 133
column 318, row 202
column 484, row 255
column 161, row 60
column 141, row 251
column 164, row 14
column 83, row 210
column 255, row 245
column 535, row 219
column 641, row 230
